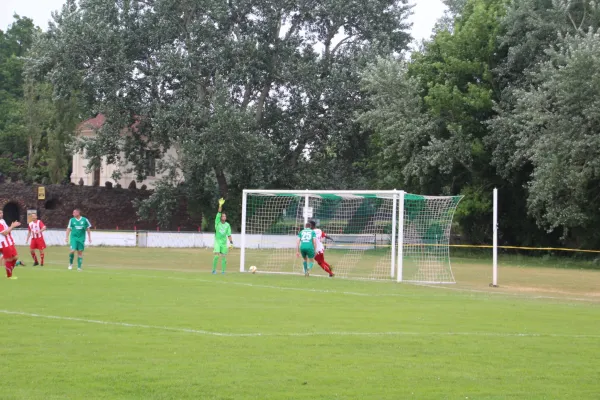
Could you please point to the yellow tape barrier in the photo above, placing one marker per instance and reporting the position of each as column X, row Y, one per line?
column 469, row 246
column 487, row 246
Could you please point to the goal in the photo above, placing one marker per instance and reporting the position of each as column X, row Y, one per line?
column 371, row 234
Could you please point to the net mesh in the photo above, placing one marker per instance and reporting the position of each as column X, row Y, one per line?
column 427, row 225
column 359, row 231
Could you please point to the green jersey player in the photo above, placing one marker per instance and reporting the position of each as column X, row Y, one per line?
column 76, row 230
column 307, row 243
column 222, row 233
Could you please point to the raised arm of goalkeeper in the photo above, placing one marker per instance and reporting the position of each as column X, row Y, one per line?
column 221, row 218
column 219, row 211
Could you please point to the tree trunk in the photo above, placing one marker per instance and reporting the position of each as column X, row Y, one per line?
column 272, row 67
column 261, row 102
column 222, row 182
column 247, row 94
column 30, row 160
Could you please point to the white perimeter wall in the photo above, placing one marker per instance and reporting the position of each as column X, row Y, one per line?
column 56, row 237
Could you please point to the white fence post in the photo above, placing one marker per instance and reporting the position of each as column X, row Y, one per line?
column 495, row 241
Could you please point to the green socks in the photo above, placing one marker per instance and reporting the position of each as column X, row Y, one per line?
column 304, row 265
column 216, row 261
column 79, row 260
column 310, row 265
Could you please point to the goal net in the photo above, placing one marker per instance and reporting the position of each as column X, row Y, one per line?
column 369, row 234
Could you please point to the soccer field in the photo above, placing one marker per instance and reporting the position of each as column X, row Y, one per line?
column 155, row 324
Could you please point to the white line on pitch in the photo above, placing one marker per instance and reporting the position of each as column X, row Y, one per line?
column 295, row 334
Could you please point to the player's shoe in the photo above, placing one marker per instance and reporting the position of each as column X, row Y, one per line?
column 222, row 272
column 12, row 278
column 70, row 267
column 35, row 264
column 214, row 272
column 20, row 264
column 79, row 269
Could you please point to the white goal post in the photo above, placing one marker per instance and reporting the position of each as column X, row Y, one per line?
column 386, row 234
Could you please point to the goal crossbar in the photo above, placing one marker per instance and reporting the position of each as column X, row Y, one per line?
column 340, row 193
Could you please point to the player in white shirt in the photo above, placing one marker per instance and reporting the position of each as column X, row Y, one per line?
column 320, row 250
column 36, row 233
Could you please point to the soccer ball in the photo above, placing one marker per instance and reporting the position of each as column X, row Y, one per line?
column 252, row 269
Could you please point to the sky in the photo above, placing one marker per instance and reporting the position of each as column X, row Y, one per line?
column 426, row 13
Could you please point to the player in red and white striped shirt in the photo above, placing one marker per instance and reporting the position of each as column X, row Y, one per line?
column 7, row 245
column 36, row 229
column 320, row 250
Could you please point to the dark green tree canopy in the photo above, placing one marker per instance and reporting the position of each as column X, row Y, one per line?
column 504, row 95
column 249, row 93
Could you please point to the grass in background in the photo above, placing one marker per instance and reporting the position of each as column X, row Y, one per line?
column 154, row 324
column 528, row 258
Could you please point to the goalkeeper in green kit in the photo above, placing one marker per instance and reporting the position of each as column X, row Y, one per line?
column 222, row 234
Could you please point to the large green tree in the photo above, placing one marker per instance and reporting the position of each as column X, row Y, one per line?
column 529, row 29
column 250, row 93
column 503, row 96
column 531, row 32
column 14, row 43
column 555, row 127
column 35, row 129
column 430, row 115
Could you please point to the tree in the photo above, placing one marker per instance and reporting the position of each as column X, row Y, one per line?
column 402, row 126
column 430, row 116
column 34, row 131
column 280, row 79
column 14, row 43
column 504, row 97
column 555, row 127
column 454, row 8
column 527, row 31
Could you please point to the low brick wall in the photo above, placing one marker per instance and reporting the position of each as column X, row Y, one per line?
column 105, row 208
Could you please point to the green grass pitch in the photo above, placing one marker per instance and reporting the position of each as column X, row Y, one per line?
column 155, row 324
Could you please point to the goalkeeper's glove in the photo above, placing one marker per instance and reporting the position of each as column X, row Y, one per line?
column 231, row 245
column 221, row 202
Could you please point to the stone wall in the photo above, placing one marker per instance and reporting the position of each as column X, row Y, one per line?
column 105, row 208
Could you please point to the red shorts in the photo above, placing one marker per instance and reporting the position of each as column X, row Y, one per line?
column 37, row 244
column 9, row 252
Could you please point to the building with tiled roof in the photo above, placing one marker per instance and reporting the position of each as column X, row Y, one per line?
column 100, row 176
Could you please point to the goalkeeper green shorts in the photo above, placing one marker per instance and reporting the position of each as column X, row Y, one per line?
column 221, row 248
column 307, row 253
